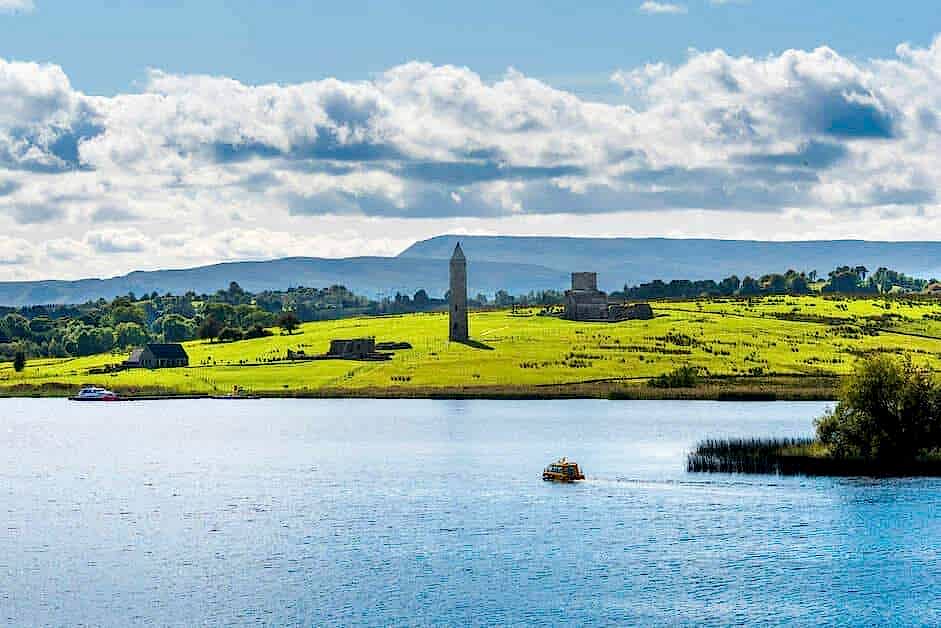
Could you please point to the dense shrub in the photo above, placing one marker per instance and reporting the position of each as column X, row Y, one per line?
column 288, row 322
column 210, row 328
column 230, row 334
column 682, row 377
column 888, row 410
column 19, row 361
column 256, row 331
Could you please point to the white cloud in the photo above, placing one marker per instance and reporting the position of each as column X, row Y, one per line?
column 652, row 7
column 15, row 251
column 16, row 6
column 196, row 169
column 65, row 249
column 116, row 241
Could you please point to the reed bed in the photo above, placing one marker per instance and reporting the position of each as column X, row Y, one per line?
column 743, row 455
column 797, row 456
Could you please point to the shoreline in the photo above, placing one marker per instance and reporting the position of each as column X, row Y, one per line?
column 780, row 388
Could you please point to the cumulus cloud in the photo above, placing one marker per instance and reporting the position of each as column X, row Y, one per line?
column 64, row 249
column 116, row 241
column 652, row 7
column 16, row 6
column 15, row 251
column 253, row 171
column 111, row 213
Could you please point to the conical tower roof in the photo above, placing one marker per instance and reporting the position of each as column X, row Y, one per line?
column 458, row 253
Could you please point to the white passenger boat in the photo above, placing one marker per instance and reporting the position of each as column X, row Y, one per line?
column 94, row 393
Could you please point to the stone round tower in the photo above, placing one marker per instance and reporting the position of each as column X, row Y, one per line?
column 458, row 328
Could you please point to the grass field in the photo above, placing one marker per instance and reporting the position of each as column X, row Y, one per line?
column 776, row 343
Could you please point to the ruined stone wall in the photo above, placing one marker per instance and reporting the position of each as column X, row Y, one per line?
column 352, row 348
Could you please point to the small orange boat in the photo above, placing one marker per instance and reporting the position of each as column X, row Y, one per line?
column 563, row 471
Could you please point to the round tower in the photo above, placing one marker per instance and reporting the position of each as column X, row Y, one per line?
column 458, row 328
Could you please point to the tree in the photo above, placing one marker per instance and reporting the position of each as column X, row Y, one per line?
column 749, row 287
column 288, row 322
column 230, row 334
column 123, row 313
column 420, row 299
column 41, row 325
column 774, row 283
column 210, row 328
column 15, row 326
column 845, row 280
column 19, row 361
column 259, row 318
column 222, row 312
column 175, row 328
column 796, row 282
column 81, row 339
column 888, row 410
column 729, row 285
column 235, row 292
column 129, row 335
column 502, row 298
column 256, row 331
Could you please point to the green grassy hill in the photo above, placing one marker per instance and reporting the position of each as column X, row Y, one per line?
column 776, row 343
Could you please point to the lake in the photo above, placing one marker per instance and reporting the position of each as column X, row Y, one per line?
column 318, row 512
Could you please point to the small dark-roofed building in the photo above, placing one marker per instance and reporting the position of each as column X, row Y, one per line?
column 134, row 360
column 158, row 355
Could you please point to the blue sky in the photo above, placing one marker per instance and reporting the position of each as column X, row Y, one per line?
column 163, row 134
column 106, row 46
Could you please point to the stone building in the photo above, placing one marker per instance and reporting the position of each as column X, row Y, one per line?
column 458, row 330
column 352, row 349
column 630, row 312
column 158, row 355
column 584, row 302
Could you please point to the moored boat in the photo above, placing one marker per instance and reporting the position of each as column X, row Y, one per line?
column 563, row 471
column 94, row 393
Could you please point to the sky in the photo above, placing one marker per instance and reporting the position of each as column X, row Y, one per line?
column 161, row 134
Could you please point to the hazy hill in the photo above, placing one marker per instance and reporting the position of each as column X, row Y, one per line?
column 364, row 275
column 633, row 260
column 515, row 264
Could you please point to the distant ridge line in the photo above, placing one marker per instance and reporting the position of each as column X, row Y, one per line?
column 517, row 264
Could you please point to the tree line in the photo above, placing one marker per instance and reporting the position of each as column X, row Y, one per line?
column 233, row 313
column 842, row 280
column 128, row 321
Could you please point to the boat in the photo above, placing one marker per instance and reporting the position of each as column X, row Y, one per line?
column 95, row 393
column 563, row 470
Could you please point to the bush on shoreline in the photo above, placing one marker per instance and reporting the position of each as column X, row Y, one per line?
column 681, row 377
column 888, row 410
column 887, row 422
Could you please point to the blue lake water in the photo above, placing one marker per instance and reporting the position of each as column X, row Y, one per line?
column 314, row 512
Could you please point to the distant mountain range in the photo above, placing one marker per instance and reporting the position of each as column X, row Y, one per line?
column 634, row 260
column 515, row 264
column 370, row 276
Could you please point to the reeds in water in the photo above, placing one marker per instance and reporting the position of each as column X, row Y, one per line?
column 797, row 456
column 746, row 455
